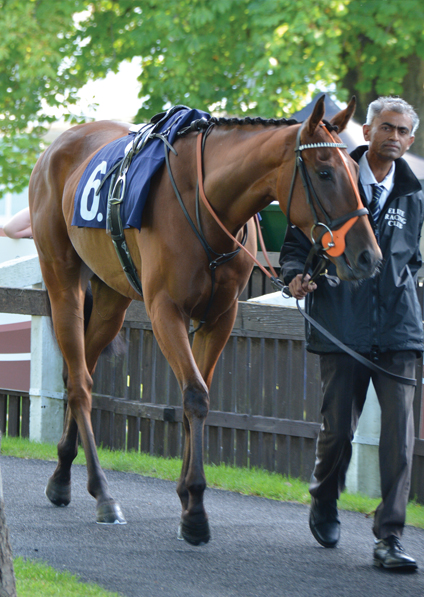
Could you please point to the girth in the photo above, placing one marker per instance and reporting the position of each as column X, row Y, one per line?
column 116, row 194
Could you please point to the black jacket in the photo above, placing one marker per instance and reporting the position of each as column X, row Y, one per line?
column 383, row 312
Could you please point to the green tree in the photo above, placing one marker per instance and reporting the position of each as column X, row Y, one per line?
column 382, row 49
column 38, row 50
column 262, row 56
column 258, row 56
column 239, row 56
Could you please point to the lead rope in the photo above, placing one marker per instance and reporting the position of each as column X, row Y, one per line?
column 273, row 276
column 280, row 285
column 409, row 381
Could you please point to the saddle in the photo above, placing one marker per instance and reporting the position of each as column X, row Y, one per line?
column 114, row 227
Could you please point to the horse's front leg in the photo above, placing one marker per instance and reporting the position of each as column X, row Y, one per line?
column 208, row 344
column 194, row 525
column 194, row 371
column 170, row 328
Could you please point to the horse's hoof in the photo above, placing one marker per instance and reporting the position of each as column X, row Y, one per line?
column 59, row 495
column 195, row 534
column 110, row 513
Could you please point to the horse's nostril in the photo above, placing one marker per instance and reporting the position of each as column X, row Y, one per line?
column 367, row 262
column 364, row 259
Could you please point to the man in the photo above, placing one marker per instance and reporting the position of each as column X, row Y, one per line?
column 379, row 318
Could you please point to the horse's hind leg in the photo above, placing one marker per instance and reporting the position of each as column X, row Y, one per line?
column 58, row 488
column 107, row 317
column 67, row 298
column 106, row 320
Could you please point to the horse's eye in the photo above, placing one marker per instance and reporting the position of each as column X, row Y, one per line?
column 324, row 175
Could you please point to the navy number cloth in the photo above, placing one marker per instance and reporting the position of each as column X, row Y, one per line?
column 90, row 209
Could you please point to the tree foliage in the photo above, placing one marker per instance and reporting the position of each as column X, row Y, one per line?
column 36, row 37
column 257, row 56
column 382, row 50
column 254, row 56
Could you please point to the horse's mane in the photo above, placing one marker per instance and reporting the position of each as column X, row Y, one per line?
column 203, row 124
column 256, row 120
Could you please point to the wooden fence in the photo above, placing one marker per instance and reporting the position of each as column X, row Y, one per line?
column 14, row 413
column 265, row 396
column 264, row 399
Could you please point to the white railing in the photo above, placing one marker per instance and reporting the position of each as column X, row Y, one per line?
column 46, row 385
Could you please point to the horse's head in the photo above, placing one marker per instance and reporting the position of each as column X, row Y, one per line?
column 325, row 202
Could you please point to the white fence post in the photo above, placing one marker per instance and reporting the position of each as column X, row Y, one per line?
column 46, row 392
column 363, row 475
column 46, row 385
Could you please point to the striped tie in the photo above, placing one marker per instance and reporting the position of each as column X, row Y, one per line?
column 375, row 201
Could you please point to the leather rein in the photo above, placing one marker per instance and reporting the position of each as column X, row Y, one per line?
column 331, row 242
column 332, row 239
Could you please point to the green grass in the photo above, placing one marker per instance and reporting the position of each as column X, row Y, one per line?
column 241, row 480
column 36, row 579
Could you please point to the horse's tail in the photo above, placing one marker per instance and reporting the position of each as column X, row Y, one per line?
column 116, row 347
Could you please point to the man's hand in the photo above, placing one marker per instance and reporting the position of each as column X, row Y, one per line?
column 300, row 289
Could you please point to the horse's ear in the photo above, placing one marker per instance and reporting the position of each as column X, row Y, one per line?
column 341, row 119
column 316, row 116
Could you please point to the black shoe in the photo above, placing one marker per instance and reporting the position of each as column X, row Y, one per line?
column 389, row 553
column 324, row 522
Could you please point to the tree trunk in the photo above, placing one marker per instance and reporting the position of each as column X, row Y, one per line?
column 412, row 92
column 7, row 576
column 350, row 82
column 413, row 86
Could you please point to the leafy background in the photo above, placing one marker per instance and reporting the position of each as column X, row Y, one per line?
column 262, row 57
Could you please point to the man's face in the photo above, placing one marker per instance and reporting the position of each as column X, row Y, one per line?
column 389, row 135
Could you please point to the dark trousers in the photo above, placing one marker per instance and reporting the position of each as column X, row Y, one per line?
column 344, row 384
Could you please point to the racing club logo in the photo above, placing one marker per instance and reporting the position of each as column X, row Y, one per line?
column 395, row 217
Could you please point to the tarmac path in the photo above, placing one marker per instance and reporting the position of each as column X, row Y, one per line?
column 259, row 547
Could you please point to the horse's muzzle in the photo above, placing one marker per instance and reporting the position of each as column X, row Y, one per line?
column 359, row 267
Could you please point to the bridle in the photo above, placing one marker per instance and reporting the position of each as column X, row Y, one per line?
column 332, row 240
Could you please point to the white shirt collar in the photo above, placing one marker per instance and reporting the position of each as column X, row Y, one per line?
column 367, row 177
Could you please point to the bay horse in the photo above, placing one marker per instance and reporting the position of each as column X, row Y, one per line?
column 247, row 164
